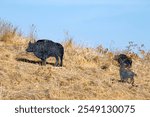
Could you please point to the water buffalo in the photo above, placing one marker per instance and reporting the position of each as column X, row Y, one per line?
column 44, row 49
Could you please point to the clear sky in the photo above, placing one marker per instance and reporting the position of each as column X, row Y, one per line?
column 112, row 23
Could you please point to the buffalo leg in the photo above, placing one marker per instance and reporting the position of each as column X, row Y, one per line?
column 44, row 62
column 57, row 60
column 61, row 60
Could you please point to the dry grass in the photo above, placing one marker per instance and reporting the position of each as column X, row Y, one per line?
column 87, row 74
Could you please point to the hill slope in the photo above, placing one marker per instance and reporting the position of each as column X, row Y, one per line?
column 86, row 74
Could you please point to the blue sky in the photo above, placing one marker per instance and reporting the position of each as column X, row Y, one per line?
column 112, row 23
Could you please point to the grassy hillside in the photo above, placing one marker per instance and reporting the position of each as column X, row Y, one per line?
column 87, row 73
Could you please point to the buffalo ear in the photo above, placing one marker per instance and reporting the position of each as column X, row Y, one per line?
column 29, row 42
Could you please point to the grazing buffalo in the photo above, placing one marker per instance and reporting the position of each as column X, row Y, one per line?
column 44, row 49
column 123, row 59
column 126, row 74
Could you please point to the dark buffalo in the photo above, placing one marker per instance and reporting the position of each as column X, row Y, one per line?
column 126, row 74
column 44, row 49
column 123, row 59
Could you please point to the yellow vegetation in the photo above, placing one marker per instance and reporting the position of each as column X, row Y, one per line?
column 86, row 74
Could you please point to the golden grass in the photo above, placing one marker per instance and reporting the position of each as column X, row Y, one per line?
column 87, row 74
